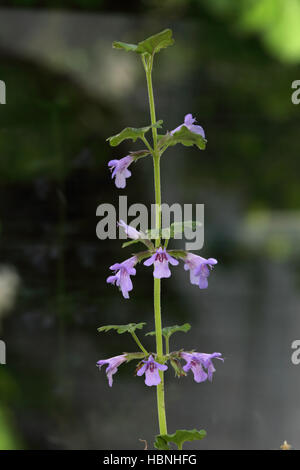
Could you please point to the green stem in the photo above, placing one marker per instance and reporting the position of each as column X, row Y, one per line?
column 157, row 306
column 148, row 68
column 139, row 343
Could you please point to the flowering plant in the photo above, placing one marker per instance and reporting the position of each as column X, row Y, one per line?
column 152, row 365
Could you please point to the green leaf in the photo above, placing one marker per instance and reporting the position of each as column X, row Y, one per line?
column 150, row 45
column 170, row 330
column 125, row 46
column 156, row 42
column 131, row 133
column 185, row 137
column 122, row 328
column 161, row 444
column 179, row 438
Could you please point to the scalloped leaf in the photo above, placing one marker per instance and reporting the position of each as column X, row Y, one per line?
column 150, row 45
column 168, row 331
column 179, row 438
column 184, row 136
column 156, row 42
column 129, row 328
column 131, row 133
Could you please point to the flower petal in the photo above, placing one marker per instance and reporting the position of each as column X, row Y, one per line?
column 150, row 260
column 189, row 120
column 152, row 377
column 161, row 366
column 199, row 374
column 172, row 260
column 198, row 130
column 203, row 283
column 161, row 269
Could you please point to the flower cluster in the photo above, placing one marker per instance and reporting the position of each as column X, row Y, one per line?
column 200, row 363
column 198, row 266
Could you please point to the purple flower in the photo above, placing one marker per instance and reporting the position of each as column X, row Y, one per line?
column 130, row 231
column 121, row 278
column 189, row 123
column 151, row 371
column 199, row 269
column 161, row 260
column 120, row 170
column 112, row 368
column 201, row 364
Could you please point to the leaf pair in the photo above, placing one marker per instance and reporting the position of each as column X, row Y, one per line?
column 183, row 136
column 151, row 45
column 131, row 327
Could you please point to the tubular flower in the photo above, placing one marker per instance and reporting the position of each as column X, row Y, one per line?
column 112, row 368
column 189, row 123
column 151, row 370
column 131, row 232
column 199, row 269
column 201, row 364
column 121, row 278
column 119, row 169
column 161, row 260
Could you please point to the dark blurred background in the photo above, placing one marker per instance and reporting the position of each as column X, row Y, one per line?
column 232, row 67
